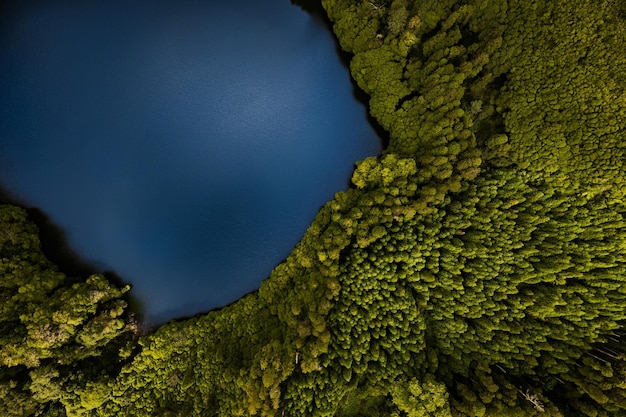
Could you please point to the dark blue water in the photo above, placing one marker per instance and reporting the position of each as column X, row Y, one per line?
column 185, row 145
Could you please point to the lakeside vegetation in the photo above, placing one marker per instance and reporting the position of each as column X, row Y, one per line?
column 476, row 268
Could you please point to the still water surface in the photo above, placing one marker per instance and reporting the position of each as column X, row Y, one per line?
column 184, row 145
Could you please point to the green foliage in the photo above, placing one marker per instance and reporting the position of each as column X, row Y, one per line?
column 421, row 398
column 475, row 269
column 53, row 327
column 357, row 22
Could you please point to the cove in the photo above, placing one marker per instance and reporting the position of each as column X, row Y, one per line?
column 184, row 145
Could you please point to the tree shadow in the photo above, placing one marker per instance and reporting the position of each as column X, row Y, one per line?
column 56, row 248
column 315, row 9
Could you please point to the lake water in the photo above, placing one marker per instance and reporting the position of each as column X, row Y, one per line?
column 184, row 145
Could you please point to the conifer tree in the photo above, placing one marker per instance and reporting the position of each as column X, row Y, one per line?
column 476, row 268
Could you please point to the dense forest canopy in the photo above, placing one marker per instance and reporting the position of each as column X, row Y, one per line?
column 476, row 268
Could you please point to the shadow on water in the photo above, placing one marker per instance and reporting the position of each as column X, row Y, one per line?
column 56, row 248
column 315, row 9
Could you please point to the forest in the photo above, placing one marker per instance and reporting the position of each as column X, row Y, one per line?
column 477, row 267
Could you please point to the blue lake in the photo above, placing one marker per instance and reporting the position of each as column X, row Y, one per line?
column 184, row 145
